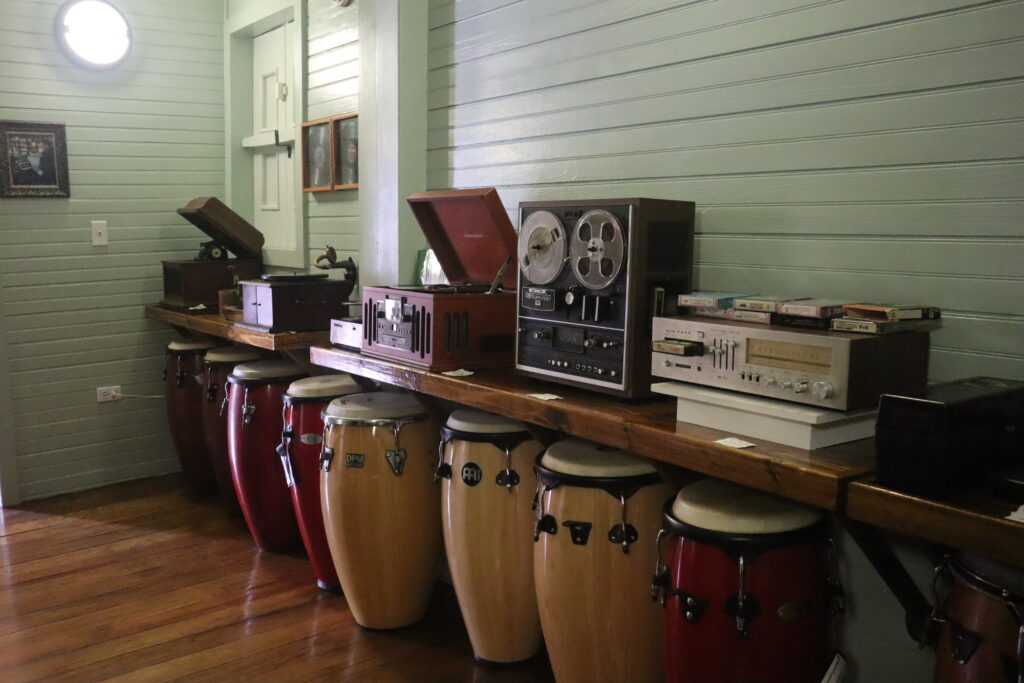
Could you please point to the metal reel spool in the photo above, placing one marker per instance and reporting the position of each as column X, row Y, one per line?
column 541, row 247
column 597, row 248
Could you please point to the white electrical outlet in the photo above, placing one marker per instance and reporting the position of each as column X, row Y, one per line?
column 105, row 394
column 99, row 233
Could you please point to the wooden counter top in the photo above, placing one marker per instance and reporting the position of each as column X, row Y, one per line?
column 213, row 324
column 973, row 522
column 647, row 428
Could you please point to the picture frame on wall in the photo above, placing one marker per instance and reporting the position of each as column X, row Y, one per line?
column 317, row 156
column 346, row 151
column 33, row 160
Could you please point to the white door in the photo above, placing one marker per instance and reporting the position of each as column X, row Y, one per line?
column 273, row 170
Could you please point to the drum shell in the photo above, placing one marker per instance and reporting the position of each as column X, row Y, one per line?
column 256, row 467
column 215, row 430
column 303, row 416
column 786, row 642
column 185, row 397
column 991, row 619
column 598, row 618
column 488, row 534
column 384, row 531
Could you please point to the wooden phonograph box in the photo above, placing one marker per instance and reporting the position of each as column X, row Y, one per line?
column 469, row 323
column 294, row 302
column 195, row 282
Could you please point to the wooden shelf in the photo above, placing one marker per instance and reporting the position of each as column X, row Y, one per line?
column 216, row 326
column 974, row 522
column 647, row 428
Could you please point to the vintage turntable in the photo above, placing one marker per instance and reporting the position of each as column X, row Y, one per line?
column 469, row 323
column 294, row 302
column 591, row 276
column 195, row 282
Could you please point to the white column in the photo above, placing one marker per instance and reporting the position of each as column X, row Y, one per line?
column 9, row 492
column 392, row 136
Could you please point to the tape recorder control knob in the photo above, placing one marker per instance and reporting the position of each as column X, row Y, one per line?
column 541, row 335
column 822, row 390
column 571, row 294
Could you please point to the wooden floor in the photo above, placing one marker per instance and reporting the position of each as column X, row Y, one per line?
column 137, row 582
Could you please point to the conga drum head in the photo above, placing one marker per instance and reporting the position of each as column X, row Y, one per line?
column 190, row 345
column 265, row 371
column 369, row 408
column 715, row 507
column 979, row 569
column 479, row 422
column 320, row 388
column 231, row 354
column 581, row 458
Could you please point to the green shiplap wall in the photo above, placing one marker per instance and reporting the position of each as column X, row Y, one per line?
column 143, row 140
column 867, row 149
column 864, row 149
column 332, row 89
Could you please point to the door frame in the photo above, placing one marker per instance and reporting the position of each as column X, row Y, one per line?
column 239, row 31
column 10, row 491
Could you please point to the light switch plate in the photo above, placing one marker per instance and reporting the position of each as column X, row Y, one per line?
column 99, row 233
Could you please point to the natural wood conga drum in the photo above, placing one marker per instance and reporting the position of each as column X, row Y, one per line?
column 486, row 492
column 598, row 516
column 982, row 637
column 217, row 365
column 301, row 443
column 255, row 392
column 381, row 506
column 745, row 585
column 183, row 384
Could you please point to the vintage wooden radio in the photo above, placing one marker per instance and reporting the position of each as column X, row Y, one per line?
column 196, row 282
column 294, row 302
column 470, row 323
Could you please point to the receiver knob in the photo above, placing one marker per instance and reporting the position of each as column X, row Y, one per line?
column 786, row 384
column 822, row 390
column 800, row 387
column 770, row 381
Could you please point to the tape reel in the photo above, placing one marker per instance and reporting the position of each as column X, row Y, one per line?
column 597, row 249
column 541, row 247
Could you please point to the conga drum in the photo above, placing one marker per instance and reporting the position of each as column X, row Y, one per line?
column 217, row 364
column 598, row 512
column 255, row 392
column 301, row 443
column 183, row 385
column 381, row 510
column 488, row 482
column 982, row 637
column 744, row 586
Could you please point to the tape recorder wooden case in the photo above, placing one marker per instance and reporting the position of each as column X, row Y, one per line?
column 195, row 282
column 592, row 273
column 469, row 323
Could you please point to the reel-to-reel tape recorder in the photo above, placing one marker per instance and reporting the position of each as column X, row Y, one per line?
column 592, row 274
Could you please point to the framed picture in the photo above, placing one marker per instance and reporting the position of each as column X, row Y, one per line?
column 346, row 151
column 317, row 156
column 33, row 160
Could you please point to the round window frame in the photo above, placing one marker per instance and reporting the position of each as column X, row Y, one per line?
column 59, row 34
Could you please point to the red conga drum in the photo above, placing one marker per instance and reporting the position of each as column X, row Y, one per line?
column 598, row 517
column 488, row 483
column 300, row 449
column 380, row 503
column 255, row 393
column 982, row 636
column 183, row 384
column 745, row 587
column 217, row 364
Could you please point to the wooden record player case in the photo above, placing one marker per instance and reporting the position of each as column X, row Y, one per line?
column 463, row 325
column 189, row 283
column 303, row 304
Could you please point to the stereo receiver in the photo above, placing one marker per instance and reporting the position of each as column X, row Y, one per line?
column 838, row 370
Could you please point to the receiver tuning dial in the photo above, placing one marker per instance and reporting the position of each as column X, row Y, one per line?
column 822, row 390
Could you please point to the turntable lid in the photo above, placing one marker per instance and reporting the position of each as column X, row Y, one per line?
column 470, row 233
column 224, row 226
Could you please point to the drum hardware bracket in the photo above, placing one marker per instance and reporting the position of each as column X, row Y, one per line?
column 396, row 459
column 691, row 606
column 578, row 531
column 444, row 470
column 211, row 392
column 247, row 410
column 743, row 608
column 224, row 403
column 326, row 456
column 283, row 452
column 616, row 535
column 963, row 642
column 546, row 524
column 508, row 478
